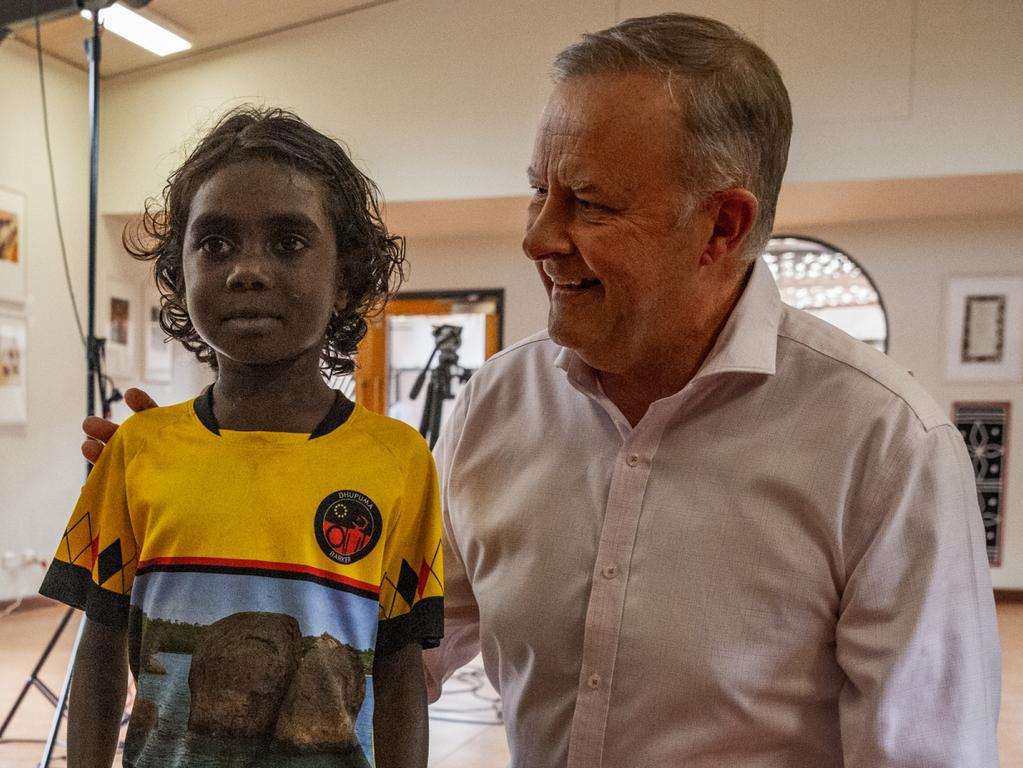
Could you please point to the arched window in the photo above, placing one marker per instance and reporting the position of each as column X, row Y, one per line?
column 826, row 282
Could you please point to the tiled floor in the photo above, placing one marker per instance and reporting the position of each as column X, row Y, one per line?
column 458, row 737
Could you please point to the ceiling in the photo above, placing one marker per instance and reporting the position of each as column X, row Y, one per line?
column 207, row 24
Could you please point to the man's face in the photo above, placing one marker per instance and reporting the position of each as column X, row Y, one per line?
column 620, row 262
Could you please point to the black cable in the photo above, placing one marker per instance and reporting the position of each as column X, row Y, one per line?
column 53, row 180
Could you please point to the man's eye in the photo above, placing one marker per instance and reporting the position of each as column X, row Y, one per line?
column 539, row 193
column 588, row 205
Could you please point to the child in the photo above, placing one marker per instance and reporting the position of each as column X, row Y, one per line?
column 266, row 556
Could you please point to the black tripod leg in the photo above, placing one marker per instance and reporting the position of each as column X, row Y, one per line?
column 58, row 716
column 33, row 678
column 435, row 415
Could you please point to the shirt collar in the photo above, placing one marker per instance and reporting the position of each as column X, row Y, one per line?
column 747, row 344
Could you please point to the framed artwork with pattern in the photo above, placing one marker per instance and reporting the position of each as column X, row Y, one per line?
column 985, row 429
column 984, row 328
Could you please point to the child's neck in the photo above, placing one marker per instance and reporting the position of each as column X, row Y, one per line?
column 275, row 398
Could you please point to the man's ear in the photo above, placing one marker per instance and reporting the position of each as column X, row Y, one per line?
column 733, row 213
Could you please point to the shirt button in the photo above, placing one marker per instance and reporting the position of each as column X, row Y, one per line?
column 610, row 571
column 633, row 460
column 594, row 681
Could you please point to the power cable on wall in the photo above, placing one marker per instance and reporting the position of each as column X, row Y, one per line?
column 53, row 180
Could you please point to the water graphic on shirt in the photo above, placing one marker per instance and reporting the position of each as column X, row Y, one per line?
column 250, row 688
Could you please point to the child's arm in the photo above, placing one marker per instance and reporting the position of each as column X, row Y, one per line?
column 99, row 683
column 400, row 725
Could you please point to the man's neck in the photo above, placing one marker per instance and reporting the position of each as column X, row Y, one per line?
column 668, row 370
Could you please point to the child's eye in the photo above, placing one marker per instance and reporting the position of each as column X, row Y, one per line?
column 291, row 244
column 214, row 246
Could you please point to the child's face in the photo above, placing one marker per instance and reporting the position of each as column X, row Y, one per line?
column 260, row 264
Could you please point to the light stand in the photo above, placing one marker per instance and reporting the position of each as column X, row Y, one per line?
column 96, row 381
column 448, row 338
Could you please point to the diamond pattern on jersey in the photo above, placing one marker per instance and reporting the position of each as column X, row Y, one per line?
column 397, row 596
column 82, row 548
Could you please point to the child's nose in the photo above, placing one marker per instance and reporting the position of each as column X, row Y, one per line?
column 251, row 269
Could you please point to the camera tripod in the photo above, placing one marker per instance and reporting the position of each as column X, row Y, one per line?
column 448, row 338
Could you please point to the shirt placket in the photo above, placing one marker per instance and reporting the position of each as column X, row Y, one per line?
column 606, row 605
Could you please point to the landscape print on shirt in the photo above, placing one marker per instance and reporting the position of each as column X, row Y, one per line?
column 266, row 669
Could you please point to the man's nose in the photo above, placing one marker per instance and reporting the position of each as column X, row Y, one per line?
column 548, row 230
column 251, row 269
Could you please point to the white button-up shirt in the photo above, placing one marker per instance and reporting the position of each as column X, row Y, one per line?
column 780, row 565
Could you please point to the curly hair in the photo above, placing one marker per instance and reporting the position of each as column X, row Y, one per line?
column 371, row 260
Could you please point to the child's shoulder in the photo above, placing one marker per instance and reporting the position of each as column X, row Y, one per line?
column 396, row 436
column 145, row 423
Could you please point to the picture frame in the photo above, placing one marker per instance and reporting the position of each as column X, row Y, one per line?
column 122, row 309
column 12, row 246
column 13, row 369
column 157, row 351
column 984, row 328
column 984, row 427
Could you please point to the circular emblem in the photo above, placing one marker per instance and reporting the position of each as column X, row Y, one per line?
column 348, row 526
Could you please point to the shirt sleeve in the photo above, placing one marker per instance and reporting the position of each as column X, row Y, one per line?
column 94, row 565
column 461, row 642
column 917, row 635
column 412, row 593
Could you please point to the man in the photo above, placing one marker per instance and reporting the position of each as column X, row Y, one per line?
column 688, row 526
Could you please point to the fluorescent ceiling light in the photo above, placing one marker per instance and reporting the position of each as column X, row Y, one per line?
column 140, row 30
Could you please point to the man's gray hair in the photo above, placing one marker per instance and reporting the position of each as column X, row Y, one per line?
column 736, row 116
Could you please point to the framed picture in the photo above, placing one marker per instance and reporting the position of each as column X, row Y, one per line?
column 984, row 328
column 157, row 349
column 12, row 248
column 13, row 389
column 985, row 429
column 122, row 311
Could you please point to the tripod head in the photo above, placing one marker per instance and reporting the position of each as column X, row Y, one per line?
column 448, row 338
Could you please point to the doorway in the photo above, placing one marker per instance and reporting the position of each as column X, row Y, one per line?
column 401, row 348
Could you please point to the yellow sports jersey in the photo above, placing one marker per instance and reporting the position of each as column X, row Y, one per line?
column 257, row 574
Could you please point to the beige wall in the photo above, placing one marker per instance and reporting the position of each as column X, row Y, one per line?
column 909, row 261
column 41, row 471
column 438, row 100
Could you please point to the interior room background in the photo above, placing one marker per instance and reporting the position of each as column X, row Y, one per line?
column 906, row 155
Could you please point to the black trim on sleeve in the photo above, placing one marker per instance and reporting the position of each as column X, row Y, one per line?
column 424, row 624
column 73, row 585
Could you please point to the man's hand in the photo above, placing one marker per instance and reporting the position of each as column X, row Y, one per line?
column 98, row 431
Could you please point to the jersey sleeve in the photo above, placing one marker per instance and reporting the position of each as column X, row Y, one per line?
column 94, row 565
column 412, row 592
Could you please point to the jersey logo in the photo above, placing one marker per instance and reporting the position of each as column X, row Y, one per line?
column 348, row 526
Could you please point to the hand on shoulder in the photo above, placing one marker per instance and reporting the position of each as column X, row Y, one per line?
column 98, row 431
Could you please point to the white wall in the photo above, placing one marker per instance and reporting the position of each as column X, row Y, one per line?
column 41, row 468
